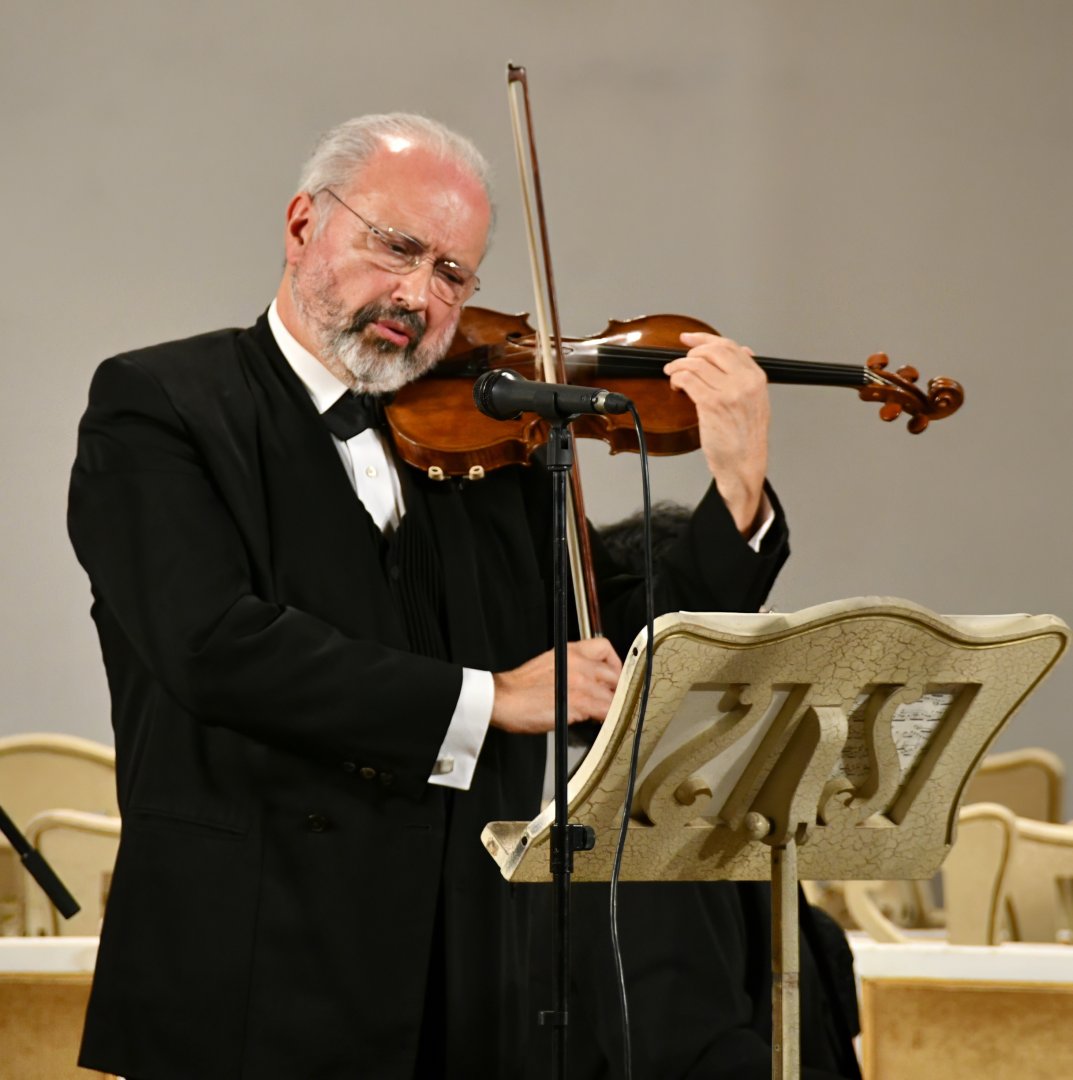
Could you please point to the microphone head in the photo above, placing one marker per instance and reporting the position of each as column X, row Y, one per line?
column 483, row 393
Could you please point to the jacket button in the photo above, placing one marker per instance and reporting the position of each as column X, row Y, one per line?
column 367, row 773
column 387, row 779
column 350, row 766
column 317, row 823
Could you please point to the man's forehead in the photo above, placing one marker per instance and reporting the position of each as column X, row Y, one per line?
column 432, row 198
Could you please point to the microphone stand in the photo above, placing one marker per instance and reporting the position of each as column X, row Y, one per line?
column 565, row 838
column 39, row 868
column 502, row 394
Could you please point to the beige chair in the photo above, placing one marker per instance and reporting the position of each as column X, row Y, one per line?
column 976, row 876
column 885, row 909
column 1029, row 782
column 41, row 772
column 1003, row 880
column 1008, row 878
column 81, row 848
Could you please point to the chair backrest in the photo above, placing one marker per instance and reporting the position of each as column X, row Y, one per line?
column 882, row 908
column 1008, row 878
column 41, row 771
column 81, row 848
column 1029, row 781
column 1041, row 880
column 976, row 876
column 869, row 905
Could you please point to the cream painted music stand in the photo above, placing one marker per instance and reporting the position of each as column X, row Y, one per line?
column 830, row 743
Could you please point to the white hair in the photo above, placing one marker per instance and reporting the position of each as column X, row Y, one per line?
column 344, row 150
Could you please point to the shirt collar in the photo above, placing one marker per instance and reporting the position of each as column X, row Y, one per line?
column 323, row 387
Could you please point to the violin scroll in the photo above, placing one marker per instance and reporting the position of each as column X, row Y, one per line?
column 898, row 391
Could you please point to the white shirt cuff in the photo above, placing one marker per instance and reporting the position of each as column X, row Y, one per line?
column 457, row 759
column 768, row 512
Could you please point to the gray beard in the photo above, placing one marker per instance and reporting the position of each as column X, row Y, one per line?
column 377, row 366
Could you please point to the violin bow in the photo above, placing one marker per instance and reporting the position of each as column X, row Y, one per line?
column 550, row 340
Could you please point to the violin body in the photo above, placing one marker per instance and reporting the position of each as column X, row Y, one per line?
column 437, row 426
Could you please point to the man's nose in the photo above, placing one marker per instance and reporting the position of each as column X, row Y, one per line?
column 411, row 290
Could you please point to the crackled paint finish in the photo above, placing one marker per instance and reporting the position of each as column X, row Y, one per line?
column 793, row 684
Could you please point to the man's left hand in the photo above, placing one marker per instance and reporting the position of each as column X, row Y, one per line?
column 729, row 390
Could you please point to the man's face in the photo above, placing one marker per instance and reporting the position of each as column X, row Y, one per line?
column 375, row 329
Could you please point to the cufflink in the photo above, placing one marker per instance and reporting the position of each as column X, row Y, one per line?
column 443, row 766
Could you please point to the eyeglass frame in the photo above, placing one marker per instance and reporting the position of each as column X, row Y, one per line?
column 388, row 235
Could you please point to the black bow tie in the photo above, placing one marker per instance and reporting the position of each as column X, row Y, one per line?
column 353, row 413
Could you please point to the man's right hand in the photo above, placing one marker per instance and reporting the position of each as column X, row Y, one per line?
column 525, row 697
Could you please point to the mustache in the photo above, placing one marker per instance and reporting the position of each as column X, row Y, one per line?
column 414, row 321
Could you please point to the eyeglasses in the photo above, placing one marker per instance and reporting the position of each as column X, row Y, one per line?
column 401, row 254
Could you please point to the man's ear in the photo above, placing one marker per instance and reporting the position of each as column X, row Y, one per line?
column 301, row 220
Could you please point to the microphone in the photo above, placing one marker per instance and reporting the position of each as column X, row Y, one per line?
column 503, row 394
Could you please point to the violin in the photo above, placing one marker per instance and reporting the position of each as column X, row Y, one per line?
column 438, row 429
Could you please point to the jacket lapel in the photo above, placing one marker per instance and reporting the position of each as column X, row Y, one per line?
column 325, row 549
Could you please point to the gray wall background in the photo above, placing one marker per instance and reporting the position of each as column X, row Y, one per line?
column 819, row 179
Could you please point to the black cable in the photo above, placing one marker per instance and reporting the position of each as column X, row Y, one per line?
column 632, row 778
column 39, row 868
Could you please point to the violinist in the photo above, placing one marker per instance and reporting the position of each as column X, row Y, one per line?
column 328, row 671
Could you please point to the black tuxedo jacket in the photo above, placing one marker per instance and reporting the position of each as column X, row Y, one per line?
column 274, row 901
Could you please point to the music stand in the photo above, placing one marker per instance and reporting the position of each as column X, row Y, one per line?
column 830, row 743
